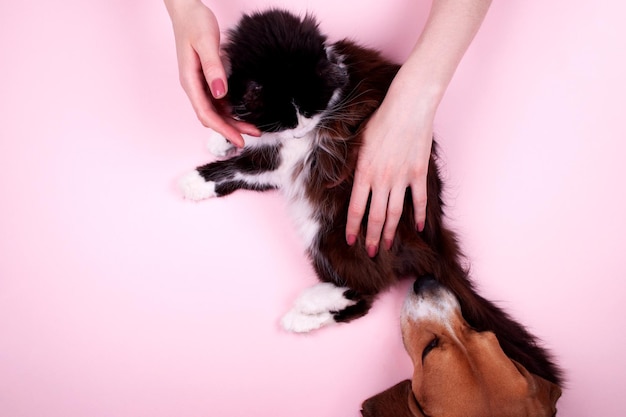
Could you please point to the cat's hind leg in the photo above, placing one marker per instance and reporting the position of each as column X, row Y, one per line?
column 321, row 305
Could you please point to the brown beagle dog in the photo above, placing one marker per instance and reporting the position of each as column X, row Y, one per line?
column 458, row 372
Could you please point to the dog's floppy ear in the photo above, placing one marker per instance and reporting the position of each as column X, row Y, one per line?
column 542, row 393
column 397, row 401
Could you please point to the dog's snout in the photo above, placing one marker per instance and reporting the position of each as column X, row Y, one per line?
column 425, row 283
column 429, row 300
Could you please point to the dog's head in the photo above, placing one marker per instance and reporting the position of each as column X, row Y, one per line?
column 457, row 370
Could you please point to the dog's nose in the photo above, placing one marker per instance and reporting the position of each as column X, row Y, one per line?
column 425, row 283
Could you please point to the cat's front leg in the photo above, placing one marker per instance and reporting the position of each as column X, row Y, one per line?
column 254, row 169
column 195, row 187
column 219, row 146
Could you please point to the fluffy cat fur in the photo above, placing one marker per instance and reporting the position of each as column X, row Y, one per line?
column 311, row 100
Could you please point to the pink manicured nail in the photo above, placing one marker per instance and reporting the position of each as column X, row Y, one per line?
column 372, row 250
column 351, row 239
column 420, row 227
column 218, row 89
column 388, row 243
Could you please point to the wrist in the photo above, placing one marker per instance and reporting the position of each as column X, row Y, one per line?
column 175, row 7
column 409, row 94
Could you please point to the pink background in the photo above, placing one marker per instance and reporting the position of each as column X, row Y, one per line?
column 119, row 298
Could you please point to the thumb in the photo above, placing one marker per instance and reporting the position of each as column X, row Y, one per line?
column 215, row 76
column 212, row 66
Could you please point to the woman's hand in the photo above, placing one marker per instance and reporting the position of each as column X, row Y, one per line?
column 200, row 67
column 398, row 137
column 394, row 156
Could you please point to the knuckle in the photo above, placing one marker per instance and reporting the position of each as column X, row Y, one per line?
column 375, row 220
column 204, row 120
column 394, row 212
column 362, row 182
column 418, row 170
column 355, row 209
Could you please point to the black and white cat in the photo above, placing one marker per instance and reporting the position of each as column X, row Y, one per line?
column 311, row 100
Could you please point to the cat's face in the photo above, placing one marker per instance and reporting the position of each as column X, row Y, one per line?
column 282, row 77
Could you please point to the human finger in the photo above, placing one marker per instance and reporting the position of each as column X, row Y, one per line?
column 356, row 208
column 419, row 196
column 210, row 117
column 376, row 220
column 395, row 207
column 244, row 127
column 207, row 48
column 194, row 84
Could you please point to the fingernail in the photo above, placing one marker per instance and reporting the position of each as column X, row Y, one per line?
column 218, row 89
column 388, row 243
column 372, row 250
column 420, row 227
column 351, row 239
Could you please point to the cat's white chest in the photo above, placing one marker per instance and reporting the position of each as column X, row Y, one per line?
column 295, row 177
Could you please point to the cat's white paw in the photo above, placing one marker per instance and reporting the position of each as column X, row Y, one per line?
column 194, row 187
column 322, row 297
column 315, row 308
column 297, row 322
column 219, row 146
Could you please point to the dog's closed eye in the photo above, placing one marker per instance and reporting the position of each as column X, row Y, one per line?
column 429, row 347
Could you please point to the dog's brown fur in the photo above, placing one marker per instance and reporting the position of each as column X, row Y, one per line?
column 458, row 372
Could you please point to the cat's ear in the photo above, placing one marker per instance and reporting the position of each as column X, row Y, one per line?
column 335, row 71
column 253, row 95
